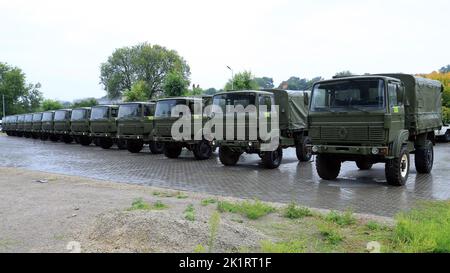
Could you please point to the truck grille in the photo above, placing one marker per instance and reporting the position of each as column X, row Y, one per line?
column 352, row 133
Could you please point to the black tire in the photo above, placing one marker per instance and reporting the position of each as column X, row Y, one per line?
column 424, row 158
column 327, row 167
column 272, row 160
column 303, row 152
column 106, row 143
column 85, row 141
column 156, row 148
column 27, row 135
column 172, row 150
column 44, row 137
column 97, row 142
column 397, row 169
column 35, row 135
column 447, row 136
column 202, row 150
column 228, row 157
column 67, row 139
column 135, row 146
column 54, row 138
column 121, row 144
column 364, row 164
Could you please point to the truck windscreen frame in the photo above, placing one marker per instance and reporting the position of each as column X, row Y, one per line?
column 130, row 111
column 164, row 107
column 47, row 116
column 98, row 113
column 349, row 95
column 60, row 115
column 79, row 114
column 234, row 99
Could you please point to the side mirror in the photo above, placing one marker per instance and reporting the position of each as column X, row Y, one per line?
column 306, row 98
column 401, row 94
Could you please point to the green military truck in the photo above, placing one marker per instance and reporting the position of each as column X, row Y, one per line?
column 36, row 125
column 27, row 125
column 375, row 119
column 79, row 125
column 104, row 126
column 20, row 125
column 13, row 125
column 164, row 121
column 8, row 125
column 47, row 125
column 292, row 117
column 62, row 124
column 135, row 124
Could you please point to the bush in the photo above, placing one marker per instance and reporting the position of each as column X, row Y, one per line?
column 252, row 210
column 292, row 211
column 330, row 233
column 425, row 229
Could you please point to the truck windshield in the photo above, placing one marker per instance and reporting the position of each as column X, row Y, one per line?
column 348, row 95
column 47, row 116
column 129, row 111
column 28, row 118
column 37, row 117
column 99, row 113
column 60, row 115
column 164, row 107
column 79, row 114
column 234, row 99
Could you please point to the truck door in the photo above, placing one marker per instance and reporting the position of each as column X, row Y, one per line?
column 396, row 107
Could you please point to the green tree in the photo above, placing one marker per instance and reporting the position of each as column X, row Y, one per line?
column 445, row 69
column 143, row 62
column 211, row 91
column 242, row 81
column 20, row 97
column 296, row 83
column 85, row 103
column 49, row 104
column 138, row 92
column 265, row 83
column 175, row 84
column 344, row 73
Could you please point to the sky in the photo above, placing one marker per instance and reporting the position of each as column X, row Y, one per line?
column 61, row 44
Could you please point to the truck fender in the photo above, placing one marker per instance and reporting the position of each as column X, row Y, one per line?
column 402, row 138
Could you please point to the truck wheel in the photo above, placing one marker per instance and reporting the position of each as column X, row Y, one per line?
column 447, row 136
column 364, row 164
column 202, row 150
column 272, row 160
column 172, row 150
column 228, row 157
column 304, row 153
column 97, row 142
column 106, row 143
column 424, row 158
column 135, row 146
column 121, row 144
column 67, row 139
column 156, row 148
column 27, row 135
column 397, row 169
column 85, row 141
column 328, row 167
column 35, row 136
column 44, row 137
column 54, row 138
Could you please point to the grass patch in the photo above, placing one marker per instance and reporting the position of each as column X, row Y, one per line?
column 292, row 211
column 252, row 210
column 214, row 223
column 178, row 195
column 208, row 201
column 330, row 233
column 341, row 219
column 189, row 213
column 283, row 247
column 374, row 226
column 425, row 229
column 140, row 204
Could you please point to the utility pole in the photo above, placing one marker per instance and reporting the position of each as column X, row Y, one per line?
column 232, row 77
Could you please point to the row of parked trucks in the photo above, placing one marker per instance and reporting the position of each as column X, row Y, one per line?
column 366, row 119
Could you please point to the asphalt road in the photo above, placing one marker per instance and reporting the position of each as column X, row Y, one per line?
column 360, row 191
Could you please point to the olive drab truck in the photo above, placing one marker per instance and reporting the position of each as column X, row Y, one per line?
column 79, row 125
column 103, row 122
column 62, row 125
column 47, row 125
column 36, row 125
column 292, row 119
column 375, row 119
column 135, row 126
column 193, row 141
column 27, row 125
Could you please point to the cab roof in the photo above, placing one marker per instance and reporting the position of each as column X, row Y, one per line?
column 180, row 98
column 374, row 77
column 244, row 91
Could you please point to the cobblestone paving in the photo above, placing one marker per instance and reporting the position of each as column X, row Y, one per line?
column 360, row 191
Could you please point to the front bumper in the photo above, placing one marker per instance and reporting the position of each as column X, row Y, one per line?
column 106, row 135
column 350, row 150
column 80, row 134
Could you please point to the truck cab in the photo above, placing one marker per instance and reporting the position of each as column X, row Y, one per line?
column 27, row 125
column 374, row 119
column 164, row 121
column 47, row 125
column 79, row 125
column 36, row 125
column 135, row 126
column 62, row 125
column 104, row 126
column 20, row 125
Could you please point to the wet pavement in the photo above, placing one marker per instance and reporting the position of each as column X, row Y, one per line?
column 360, row 191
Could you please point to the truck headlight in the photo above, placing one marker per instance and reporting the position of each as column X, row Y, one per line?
column 375, row 151
column 315, row 149
column 250, row 144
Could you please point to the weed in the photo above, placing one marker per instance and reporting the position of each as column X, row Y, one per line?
column 189, row 213
column 209, row 201
column 199, row 249
column 252, row 210
column 214, row 223
column 330, row 233
column 158, row 205
column 139, row 204
column 181, row 195
column 292, row 211
column 374, row 226
column 341, row 219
